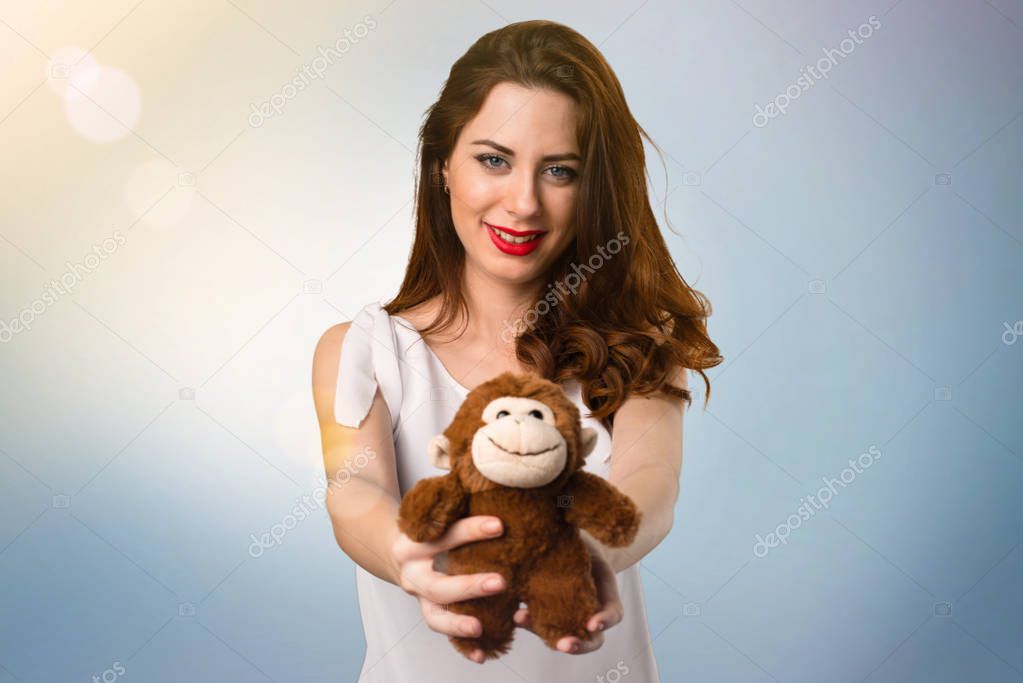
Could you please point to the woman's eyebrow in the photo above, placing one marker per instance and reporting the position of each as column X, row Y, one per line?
column 568, row 156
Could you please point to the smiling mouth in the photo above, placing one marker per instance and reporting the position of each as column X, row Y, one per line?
column 515, row 238
column 521, row 455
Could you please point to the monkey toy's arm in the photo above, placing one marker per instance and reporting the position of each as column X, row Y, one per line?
column 430, row 507
column 598, row 507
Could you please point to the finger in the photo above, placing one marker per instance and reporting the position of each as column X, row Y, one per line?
column 611, row 609
column 609, row 615
column 444, row 621
column 447, row 622
column 575, row 646
column 465, row 530
column 568, row 644
column 444, row 589
column 419, row 578
column 523, row 618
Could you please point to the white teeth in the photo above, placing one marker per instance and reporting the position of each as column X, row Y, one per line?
column 511, row 238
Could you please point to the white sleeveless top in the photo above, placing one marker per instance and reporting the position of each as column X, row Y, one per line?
column 423, row 397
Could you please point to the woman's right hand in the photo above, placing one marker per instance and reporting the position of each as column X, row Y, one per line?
column 413, row 564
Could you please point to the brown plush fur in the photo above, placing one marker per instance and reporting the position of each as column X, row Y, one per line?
column 540, row 554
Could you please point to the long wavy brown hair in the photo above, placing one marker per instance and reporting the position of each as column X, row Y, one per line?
column 629, row 323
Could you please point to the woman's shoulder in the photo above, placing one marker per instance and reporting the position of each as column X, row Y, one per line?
column 354, row 361
column 332, row 338
column 326, row 364
column 328, row 360
column 423, row 314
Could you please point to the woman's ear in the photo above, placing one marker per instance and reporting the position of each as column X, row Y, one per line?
column 440, row 453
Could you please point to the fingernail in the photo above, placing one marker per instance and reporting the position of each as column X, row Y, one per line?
column 600, row 626
column 492, row 526
column 493, row 584
column 575, row 647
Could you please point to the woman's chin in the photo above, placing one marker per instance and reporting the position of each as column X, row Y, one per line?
column 512, row 270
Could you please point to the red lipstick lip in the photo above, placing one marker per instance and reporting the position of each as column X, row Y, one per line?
column 516, row 233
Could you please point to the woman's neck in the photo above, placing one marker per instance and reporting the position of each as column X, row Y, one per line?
column 496, row 309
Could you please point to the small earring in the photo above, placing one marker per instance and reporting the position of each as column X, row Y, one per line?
column 446, row 190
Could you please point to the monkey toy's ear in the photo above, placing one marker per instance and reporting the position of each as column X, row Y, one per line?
column 588, row 441
column 440, row 452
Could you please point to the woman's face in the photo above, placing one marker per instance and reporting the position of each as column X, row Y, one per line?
column 516, row 167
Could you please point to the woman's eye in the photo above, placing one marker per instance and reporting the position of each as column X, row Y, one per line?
column 502, row 413
column 482, row 158
column 537, row 414
column 569, row 172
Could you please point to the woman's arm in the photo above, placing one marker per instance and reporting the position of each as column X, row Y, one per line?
column 362, row 495
column 646, row 461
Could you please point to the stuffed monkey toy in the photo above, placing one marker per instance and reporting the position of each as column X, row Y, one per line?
column 515, row 449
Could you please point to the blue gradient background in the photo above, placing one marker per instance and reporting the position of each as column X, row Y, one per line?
column 159, row 416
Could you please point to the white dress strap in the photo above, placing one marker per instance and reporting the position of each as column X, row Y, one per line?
column 369, row 358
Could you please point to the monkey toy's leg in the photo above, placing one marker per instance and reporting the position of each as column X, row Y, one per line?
column 561, row 594
column 496, row 612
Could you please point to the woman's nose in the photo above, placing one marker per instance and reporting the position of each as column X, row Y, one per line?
column 522, row 199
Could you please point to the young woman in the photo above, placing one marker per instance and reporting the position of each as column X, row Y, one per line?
column 534, row 238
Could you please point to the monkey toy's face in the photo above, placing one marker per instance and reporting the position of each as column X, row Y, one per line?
column 515, row 440
column 519, row 444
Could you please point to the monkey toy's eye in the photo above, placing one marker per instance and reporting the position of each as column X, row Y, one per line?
column 537, row 414
column 502, row 413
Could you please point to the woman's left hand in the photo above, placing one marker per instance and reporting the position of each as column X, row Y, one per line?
column 609, row 614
